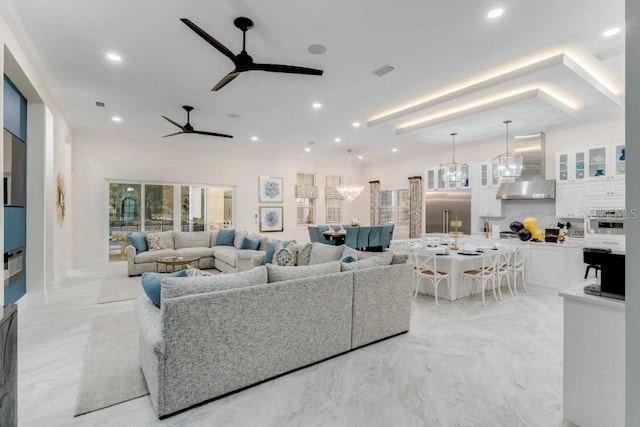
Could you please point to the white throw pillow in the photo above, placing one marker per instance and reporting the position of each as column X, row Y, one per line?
column 285, row 256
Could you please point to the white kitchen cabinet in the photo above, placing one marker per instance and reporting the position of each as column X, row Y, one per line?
column 433, row 180
column 570, row 167
column 487, row 180
column 606, row 193
column 554, row 265
column 570, row 200
column 604, row 162
column 488, row 205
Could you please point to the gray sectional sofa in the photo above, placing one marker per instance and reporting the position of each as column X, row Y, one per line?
column 200, row 243
column 218, row 334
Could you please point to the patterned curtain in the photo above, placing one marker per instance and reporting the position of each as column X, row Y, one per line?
column 415, row 207
column 374, row 215
column 307, row 191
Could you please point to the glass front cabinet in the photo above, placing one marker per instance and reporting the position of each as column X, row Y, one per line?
column 570, row 167
column 605, row 162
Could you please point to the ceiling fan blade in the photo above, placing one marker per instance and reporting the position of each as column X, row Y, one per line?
column 225, row 80
column 172, row 134
column 222, row 135
column 292, row 69
column 207, row 37
column 172, row 122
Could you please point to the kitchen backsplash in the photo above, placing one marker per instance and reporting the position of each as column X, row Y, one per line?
column 543, row 210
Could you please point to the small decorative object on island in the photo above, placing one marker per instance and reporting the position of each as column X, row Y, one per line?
column 524, row 234
column 456, row 223
column 516, row 226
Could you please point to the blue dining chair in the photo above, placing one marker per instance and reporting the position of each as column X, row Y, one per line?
column 374, row 237
column 313, row 233
column 386, row 235
column 363, row 237
column 351, row 239
column 321, row 237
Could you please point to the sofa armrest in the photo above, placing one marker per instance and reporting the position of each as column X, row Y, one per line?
column 258, row 260
column 131, row 260
column 149, row 324
column 244, row 259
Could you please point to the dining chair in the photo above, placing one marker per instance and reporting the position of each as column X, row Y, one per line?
column 363, row 236
column 426, row 267
column 485, row 274
column 351, row 238
column 503, row 268
column 518, row 266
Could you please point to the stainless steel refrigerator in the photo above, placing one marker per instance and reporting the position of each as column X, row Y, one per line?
column 442, row 207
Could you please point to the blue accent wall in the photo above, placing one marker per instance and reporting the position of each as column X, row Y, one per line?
column 15, row 110
column 15, row 218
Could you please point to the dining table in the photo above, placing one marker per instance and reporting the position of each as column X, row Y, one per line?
column 336, row 236
column 454, row 262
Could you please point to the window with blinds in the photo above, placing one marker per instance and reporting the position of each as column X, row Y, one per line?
column 393, row 207
column 333, row 205
column 306, row 206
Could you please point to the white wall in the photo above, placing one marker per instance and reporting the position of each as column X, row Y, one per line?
column 25, row 70
column 98, row 158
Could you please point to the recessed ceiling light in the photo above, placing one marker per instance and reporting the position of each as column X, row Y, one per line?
column 493, row 14
column 254, row 138
column 355, row 124
column 234, row 115
column 116, row 119
column 316, row 49
column 316, row 105
column 114, row 57
column 338, row 139
column 307, row 149
column 360, row 157
column 395, row 150
column 611, row 32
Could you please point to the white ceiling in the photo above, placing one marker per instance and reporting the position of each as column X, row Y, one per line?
column 431, row 44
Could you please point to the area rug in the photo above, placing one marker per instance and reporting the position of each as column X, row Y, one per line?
column 111, row 372
column 120, row 289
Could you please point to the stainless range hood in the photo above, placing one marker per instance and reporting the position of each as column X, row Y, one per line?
column 531, row 184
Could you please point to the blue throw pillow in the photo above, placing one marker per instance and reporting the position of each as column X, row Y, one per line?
column 226, row 236
column 151, row 284
column 350, row 256
column 139, row 241
column 251, row 241
column 271, row 249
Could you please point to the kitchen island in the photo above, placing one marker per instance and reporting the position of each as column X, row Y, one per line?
column 594, row 359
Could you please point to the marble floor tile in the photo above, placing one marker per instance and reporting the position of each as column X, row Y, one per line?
column 461, row 364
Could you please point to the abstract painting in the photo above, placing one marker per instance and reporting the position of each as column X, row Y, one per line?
column 270, row 190
column 270, row 218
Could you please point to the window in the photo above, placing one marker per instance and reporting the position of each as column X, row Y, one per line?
column 192, row 203
column 333, row 205
column 220, row 207
column 306, row 206
column 393, row 207
column 158, row 211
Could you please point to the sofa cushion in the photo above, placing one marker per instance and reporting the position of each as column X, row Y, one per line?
column 226, row 254
column 304, row 253
column 201, row 252
column 196, row 272
column 321, row 253
column 214, row 238
column 151, row 284
column 177, row 287
column 195, row 239
column 225, row 237
column 400, row 258
column 239, row 238
column 252, row 241
column 279, row 273
column 378, row 260
column 139, row 241
column 285, row 255
column 153, row 256
column 349, row 255
column 162, row 240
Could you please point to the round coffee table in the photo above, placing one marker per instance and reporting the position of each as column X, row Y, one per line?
column 176, row 262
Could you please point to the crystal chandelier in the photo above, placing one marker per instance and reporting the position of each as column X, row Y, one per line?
column 349, row 191
column 507, row 165
column 454, row 172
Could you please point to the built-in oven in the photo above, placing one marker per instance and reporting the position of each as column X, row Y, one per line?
column 605, row 228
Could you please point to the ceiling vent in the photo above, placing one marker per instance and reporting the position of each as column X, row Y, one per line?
column 610, row 53
column 385, row 69
column 99, row 104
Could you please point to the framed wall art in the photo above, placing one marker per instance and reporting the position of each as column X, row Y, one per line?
column 271, row 218
column 270, row 190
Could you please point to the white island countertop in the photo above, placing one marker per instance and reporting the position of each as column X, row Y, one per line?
column 576, row 293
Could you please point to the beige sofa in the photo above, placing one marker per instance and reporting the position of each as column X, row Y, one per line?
column 198, row 243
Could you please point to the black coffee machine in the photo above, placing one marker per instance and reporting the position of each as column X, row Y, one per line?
column 611, row 267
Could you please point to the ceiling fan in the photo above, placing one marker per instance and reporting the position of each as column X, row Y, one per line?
column 187, row 128
column 243, row 61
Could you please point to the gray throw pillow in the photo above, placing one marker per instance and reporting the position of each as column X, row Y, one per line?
column 196, row 272
column 172, row 287
column 304, row 254
column 321, row 253
column 378, row 260
column 285, row 255
column 278, row 273
column 237, row 241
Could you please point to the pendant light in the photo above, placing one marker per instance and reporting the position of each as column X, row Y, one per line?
column 349, row 191
column 507, row 165
column 453, row 172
